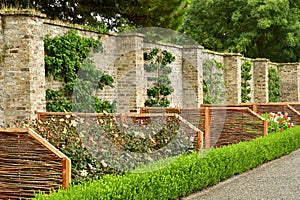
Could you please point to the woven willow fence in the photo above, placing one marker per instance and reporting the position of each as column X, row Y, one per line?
column 292, row 108
column 221, row 125
column 186, row 128
column 30, row 164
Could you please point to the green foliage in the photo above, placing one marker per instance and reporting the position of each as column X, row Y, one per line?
column 158, row 63
column 254, row 28
column 56, row 102
column 67, row 58
column 113, row 15
column 213, row 83
column 274, row 85
column 246, row 77
column 188, row 173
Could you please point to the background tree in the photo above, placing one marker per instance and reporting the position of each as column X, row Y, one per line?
column 141, row 13
column 256, row 28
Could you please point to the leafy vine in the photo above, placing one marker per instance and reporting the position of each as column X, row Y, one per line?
column 67, row 58
column 213, row 83
column 246, row 77
column 158, row 62
column 274, row 85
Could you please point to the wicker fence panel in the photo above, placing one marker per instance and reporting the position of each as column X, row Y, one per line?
column 232, row 125
column 28, row 166
column 295, row 105
column 223, row 125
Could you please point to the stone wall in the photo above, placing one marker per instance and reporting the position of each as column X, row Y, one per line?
column 260, row 77
column 23, row 82
column 232, row 77
column 22, row 65
column 289, row 74
column 192, row 76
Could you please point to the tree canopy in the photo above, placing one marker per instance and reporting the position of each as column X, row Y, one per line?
column 140, row 13
column 256, row 28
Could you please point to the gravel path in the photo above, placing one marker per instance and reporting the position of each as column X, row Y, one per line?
column 278, row 179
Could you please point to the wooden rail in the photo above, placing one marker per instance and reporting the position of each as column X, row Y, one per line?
column 30, row 164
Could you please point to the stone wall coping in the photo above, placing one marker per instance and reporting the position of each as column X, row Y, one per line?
column 231, row 54
column 30, row 13
column 245, row 59
column 130, row 35
column 261, row 60
column 75, row 26
column 291, row 64
column 164, row 44
column 68, row 25
column 213, row 52
column 192, row 47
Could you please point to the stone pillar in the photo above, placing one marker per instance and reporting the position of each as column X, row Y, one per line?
column 131, row 86
column 232, row 77
column 192, row 72
column 260, row 79
column 22, row 65
column 289, row 74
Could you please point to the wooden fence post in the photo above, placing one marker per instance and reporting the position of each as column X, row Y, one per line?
column 199, row 141
column 207, row 127
column 66, row 173
column 265, row 127
column 254, row 107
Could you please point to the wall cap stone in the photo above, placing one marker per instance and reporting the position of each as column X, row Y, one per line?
column 231, row 54
column 71, row 26
column 261, row 60
column 192, row 47
column 213, row 52
column 30, row 13
column 131, row 35
column 247, row 59
column 291, row 64
column 164, row 44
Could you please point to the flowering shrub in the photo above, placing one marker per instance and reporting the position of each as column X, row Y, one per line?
column 126, row 143
column 277, row 121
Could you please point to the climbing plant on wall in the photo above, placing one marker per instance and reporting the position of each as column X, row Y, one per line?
column 213, row 83
column 68, row 58
column 274, row 84
column 246, row 77
column 158, row 62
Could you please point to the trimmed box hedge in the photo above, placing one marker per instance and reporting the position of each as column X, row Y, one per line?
column 188, row 173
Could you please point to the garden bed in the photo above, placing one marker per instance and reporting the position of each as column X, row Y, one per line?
column 189, row 173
